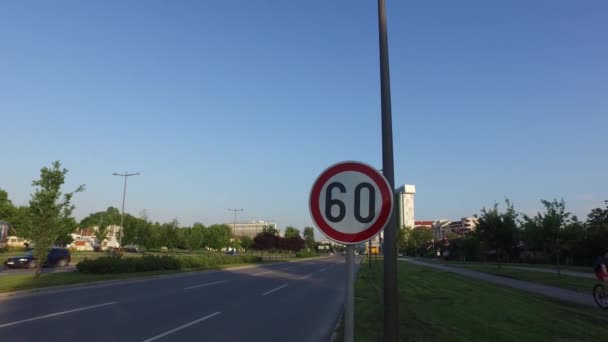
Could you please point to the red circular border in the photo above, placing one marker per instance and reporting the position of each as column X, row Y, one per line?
column 385, row 211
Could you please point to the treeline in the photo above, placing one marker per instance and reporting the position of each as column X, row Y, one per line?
column 47, row 220
column 143, row 232
column 551, row 236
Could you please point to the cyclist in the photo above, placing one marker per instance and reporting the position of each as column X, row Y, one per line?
column 600, row 268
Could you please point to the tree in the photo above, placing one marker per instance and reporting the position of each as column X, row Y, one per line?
column 309, row 237
column 499, row 230
column 101, row 233
column 266, row 241
column 49, row 211
column 548, row 226
column 420, row 238
column 169, row 234
column 7, row 209
column 401, row 237
column 246, row 242
column 291, row 232
column 18, row 217
column 110, row 216
column 270, row 229
column 596, row 239
column 193, row 237
column 217, row 236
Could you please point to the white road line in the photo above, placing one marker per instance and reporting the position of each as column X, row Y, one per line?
column 203, row 285
column 323, row 269
column 271, row 291
column 257, row 274
column 56, row 314
column 181, row 327
column 306, row 276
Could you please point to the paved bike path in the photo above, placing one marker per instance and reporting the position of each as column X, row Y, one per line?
column 545, row 290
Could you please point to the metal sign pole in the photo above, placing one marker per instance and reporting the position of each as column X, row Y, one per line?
column 391, row 301
column 349, row 302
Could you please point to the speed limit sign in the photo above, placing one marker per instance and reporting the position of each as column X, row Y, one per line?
column 350, row 202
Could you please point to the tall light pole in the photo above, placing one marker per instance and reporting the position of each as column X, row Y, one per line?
column 391, row 308
column 235, row 210
column 124, row 194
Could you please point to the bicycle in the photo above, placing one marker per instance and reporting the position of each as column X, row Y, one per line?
column 600, row 295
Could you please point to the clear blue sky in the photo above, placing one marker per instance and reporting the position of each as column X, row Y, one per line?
column 226, row 104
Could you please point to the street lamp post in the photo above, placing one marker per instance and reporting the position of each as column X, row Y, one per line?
column 124, row 194
column 235, row 210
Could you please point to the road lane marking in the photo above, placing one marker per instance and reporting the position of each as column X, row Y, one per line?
column 203, row 285
column 306, row 276
column 323, row 269
column 57, row 314
column 271, row 291
column 257, row 274
column 181, row 327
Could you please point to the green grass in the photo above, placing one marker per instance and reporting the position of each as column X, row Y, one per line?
column 441, row 306
column 563, row 281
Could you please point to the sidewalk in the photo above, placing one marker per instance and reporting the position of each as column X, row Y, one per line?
column 548, row 291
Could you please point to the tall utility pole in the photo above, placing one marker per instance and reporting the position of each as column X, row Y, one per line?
column 391, row 304
column 235, row 210
column 124, row 194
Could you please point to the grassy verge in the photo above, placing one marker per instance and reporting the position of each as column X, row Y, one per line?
column 440, row 306
column 563, row 281
column 10, row 283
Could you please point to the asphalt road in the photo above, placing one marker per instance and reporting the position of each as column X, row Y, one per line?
column 298, row 301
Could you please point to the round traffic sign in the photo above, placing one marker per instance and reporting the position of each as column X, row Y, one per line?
column 350, row 202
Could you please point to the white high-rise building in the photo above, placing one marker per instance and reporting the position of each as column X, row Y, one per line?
column 405, row 205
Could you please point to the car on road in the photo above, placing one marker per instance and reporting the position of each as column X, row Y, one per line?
column 233, row 253
column 57, row 257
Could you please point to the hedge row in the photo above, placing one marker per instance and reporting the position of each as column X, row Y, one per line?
column 118, row 264
column 306, row 254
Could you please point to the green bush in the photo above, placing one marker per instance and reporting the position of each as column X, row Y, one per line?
column 306, row 254
column 119, row 264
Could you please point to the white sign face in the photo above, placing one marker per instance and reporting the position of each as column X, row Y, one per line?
column 350, row 202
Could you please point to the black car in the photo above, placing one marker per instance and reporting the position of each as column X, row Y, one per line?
column 56, row 257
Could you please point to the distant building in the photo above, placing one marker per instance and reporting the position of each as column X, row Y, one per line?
column 405, row 205
column 441, row 228
column 405, row 209
column 464, row 226
column 85, row 240
column 250, row 229
column 423, row 224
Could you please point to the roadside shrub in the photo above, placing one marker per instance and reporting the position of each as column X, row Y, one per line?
column 306, row 254
column 119, row 264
